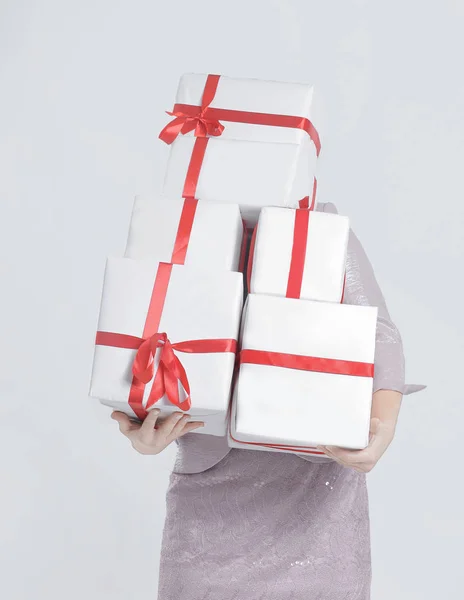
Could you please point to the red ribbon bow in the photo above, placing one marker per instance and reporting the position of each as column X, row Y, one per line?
column 189, row 118
column 185, row 122
column 169, row 374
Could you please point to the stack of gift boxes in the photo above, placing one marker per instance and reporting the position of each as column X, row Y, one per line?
column 293, row 367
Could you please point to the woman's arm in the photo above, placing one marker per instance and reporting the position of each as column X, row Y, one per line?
column 362, row 288
column 385, row 408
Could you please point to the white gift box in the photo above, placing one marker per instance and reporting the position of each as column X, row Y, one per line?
column 197, row 306
column 299, row 407
column 300, row 254
column 158, row 226
column 233, row 442
column 256, row 165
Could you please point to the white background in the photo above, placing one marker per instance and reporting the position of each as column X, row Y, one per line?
column 83, row 87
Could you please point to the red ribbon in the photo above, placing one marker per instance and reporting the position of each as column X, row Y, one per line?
column 184, row 230
column 250, row 258
column 304, row 202
column 297, row 263
column 243, row 249
column 304, row 363
column 170, row 370
column 189, row 118
column 307, row 363
column 205, row 118
column 205, row 121
column 343, row 289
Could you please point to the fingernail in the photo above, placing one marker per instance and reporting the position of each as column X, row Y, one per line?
column 179, row 416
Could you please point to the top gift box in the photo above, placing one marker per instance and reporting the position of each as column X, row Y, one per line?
column 242, row 140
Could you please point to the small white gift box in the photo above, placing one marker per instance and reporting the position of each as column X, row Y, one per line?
column 299, row 254
column 155, row 317
column 200, row 234
column 306, row 373
column 261, row 145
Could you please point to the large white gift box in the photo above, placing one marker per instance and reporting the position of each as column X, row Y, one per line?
column 185, row 231
column 306, row 373
column 299, row 254
column 179, row 314
column 265, row 155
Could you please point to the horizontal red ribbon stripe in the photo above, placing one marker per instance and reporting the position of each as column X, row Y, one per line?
column 304, row 363
column 307, row 363
column 170, row 370
column 132, row 342
column 192, row 111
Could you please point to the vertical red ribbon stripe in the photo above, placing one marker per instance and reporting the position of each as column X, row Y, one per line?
column 297, row 263
column 243, row 249
column 250, row 258
column 194, row 168
column 201, row 143
column 184, row 230
column 152, row 321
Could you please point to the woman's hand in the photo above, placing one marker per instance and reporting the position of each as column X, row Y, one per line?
column 381, row 435
column 149, row 438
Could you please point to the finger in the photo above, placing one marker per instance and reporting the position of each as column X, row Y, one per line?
column 125, row 424
column 380, row 440
column 179, row 425
column 191, row 427
column 166, row 428
column 345, row 462
column 330, row 454
column 351, row 457
column 147, row 429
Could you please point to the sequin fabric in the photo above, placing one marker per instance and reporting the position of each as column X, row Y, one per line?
column 266, row 526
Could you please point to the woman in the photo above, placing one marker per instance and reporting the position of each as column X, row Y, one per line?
column 261, row 525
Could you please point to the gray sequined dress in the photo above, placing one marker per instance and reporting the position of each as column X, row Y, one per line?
column 258, row 525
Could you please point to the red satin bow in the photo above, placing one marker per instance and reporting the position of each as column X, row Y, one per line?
column 189, row 118
column 170, row 370
column 185, row 122
column 169, row 374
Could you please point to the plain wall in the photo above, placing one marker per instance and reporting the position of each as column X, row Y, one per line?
column 83, row 89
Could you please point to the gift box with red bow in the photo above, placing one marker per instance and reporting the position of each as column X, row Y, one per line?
column 242, row 140
column 201, row 234
column 299, row 254
column 306, row 375
column 167, row 338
